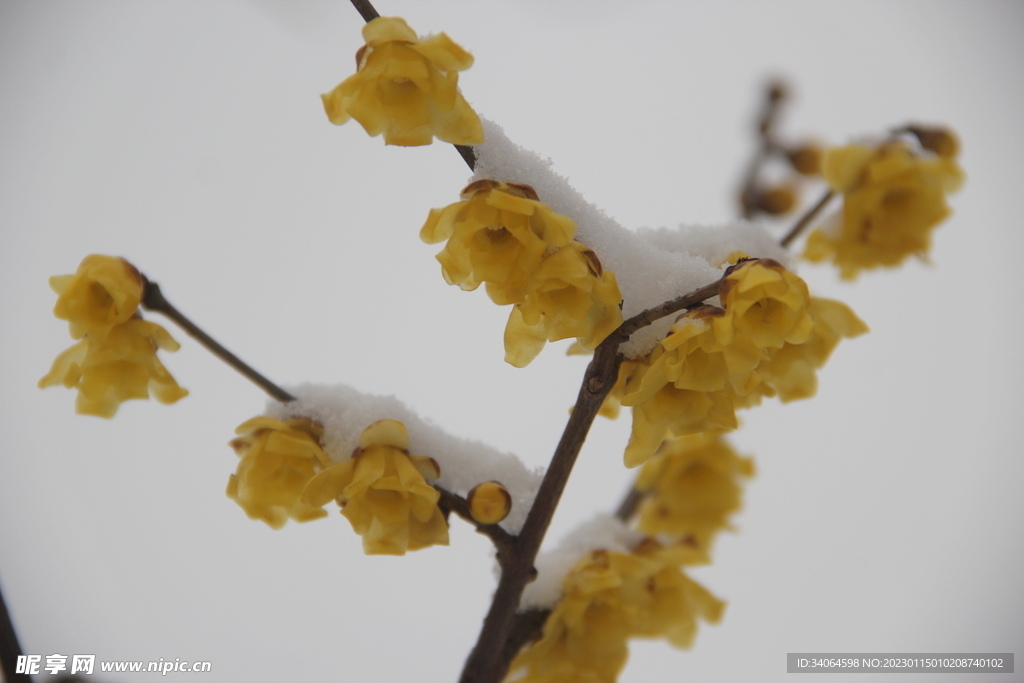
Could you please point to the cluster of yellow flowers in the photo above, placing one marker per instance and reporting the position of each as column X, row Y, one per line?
column 116, row 357
column 690, row 487
column 767, row 339
column 382, row 490
column 406, row 88
column 610, row 597
column 502, row 235
column 893, row 197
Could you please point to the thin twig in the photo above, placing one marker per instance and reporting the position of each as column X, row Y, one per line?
column 629, row 504
column 806, row 219
column 10, row 649
column 366, row 10
column 153, row 299
column 503, row 541
column 774, row 96
column 646, row 317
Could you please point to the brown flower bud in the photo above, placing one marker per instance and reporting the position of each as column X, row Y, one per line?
column 775, row 201
column 489, row 502
column 805, row 159
column 942, row 141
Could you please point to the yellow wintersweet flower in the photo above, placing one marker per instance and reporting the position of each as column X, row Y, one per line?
column 693, row 485
column 497, row 235
column 570, row 295
column 892, row 200
column 383, row 492
column 406, row 88
column 278, row 458
column 765, row 305
column 115, row 367
column 103, row 292
column 609, row 597
column 716, row 360
column 791, row 370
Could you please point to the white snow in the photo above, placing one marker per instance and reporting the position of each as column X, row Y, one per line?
column 345, row 412
column 603, row 532
column 651, row 266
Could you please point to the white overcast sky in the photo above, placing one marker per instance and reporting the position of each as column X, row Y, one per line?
column 189, row 138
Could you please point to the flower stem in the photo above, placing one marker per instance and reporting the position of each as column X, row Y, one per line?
column 629, row 504
column 10, row 649
column 153, row 299
column 366, row 10
column 799, row 226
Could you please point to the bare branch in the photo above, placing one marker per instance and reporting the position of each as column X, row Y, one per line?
column 10, row 649
column 805, row 220
column 153, row 299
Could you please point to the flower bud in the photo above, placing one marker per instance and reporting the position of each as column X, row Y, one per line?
column 489, row 502
column 942, row 141
column 775, row 201
column 805, row 159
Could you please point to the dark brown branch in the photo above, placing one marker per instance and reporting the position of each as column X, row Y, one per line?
column 492, row 654
column 10, row 649
column 774, row 96
column 368, row 12
column 153, row 299
column 630, row 504
column 503, row 541
column 646, row 317
column 528, row 627
column 799, row 226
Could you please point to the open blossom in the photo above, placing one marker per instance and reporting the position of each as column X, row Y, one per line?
column 406, row 88
column 383, row 492
column 608, row 598
column 570, row 295
column 791, row 372
column 103, row 292
column 692, row 485
column 501, row 234
column 768, row 339
column 278, row 458
column 497, row 235
column 116, row 358
column 893, row 197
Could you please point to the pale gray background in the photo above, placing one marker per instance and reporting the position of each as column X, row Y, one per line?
column 189, row 138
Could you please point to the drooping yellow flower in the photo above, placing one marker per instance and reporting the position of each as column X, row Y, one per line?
column 692, row 485
column 893, row 198
column 570, row 295
column 278, row 458
column 791, row 370
column 103, row 292
column 716, row 360
column 119, row 366
column 609, row 597
column 406, row 88
column 383, row 492
column 765, row 307
column 497, row 235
